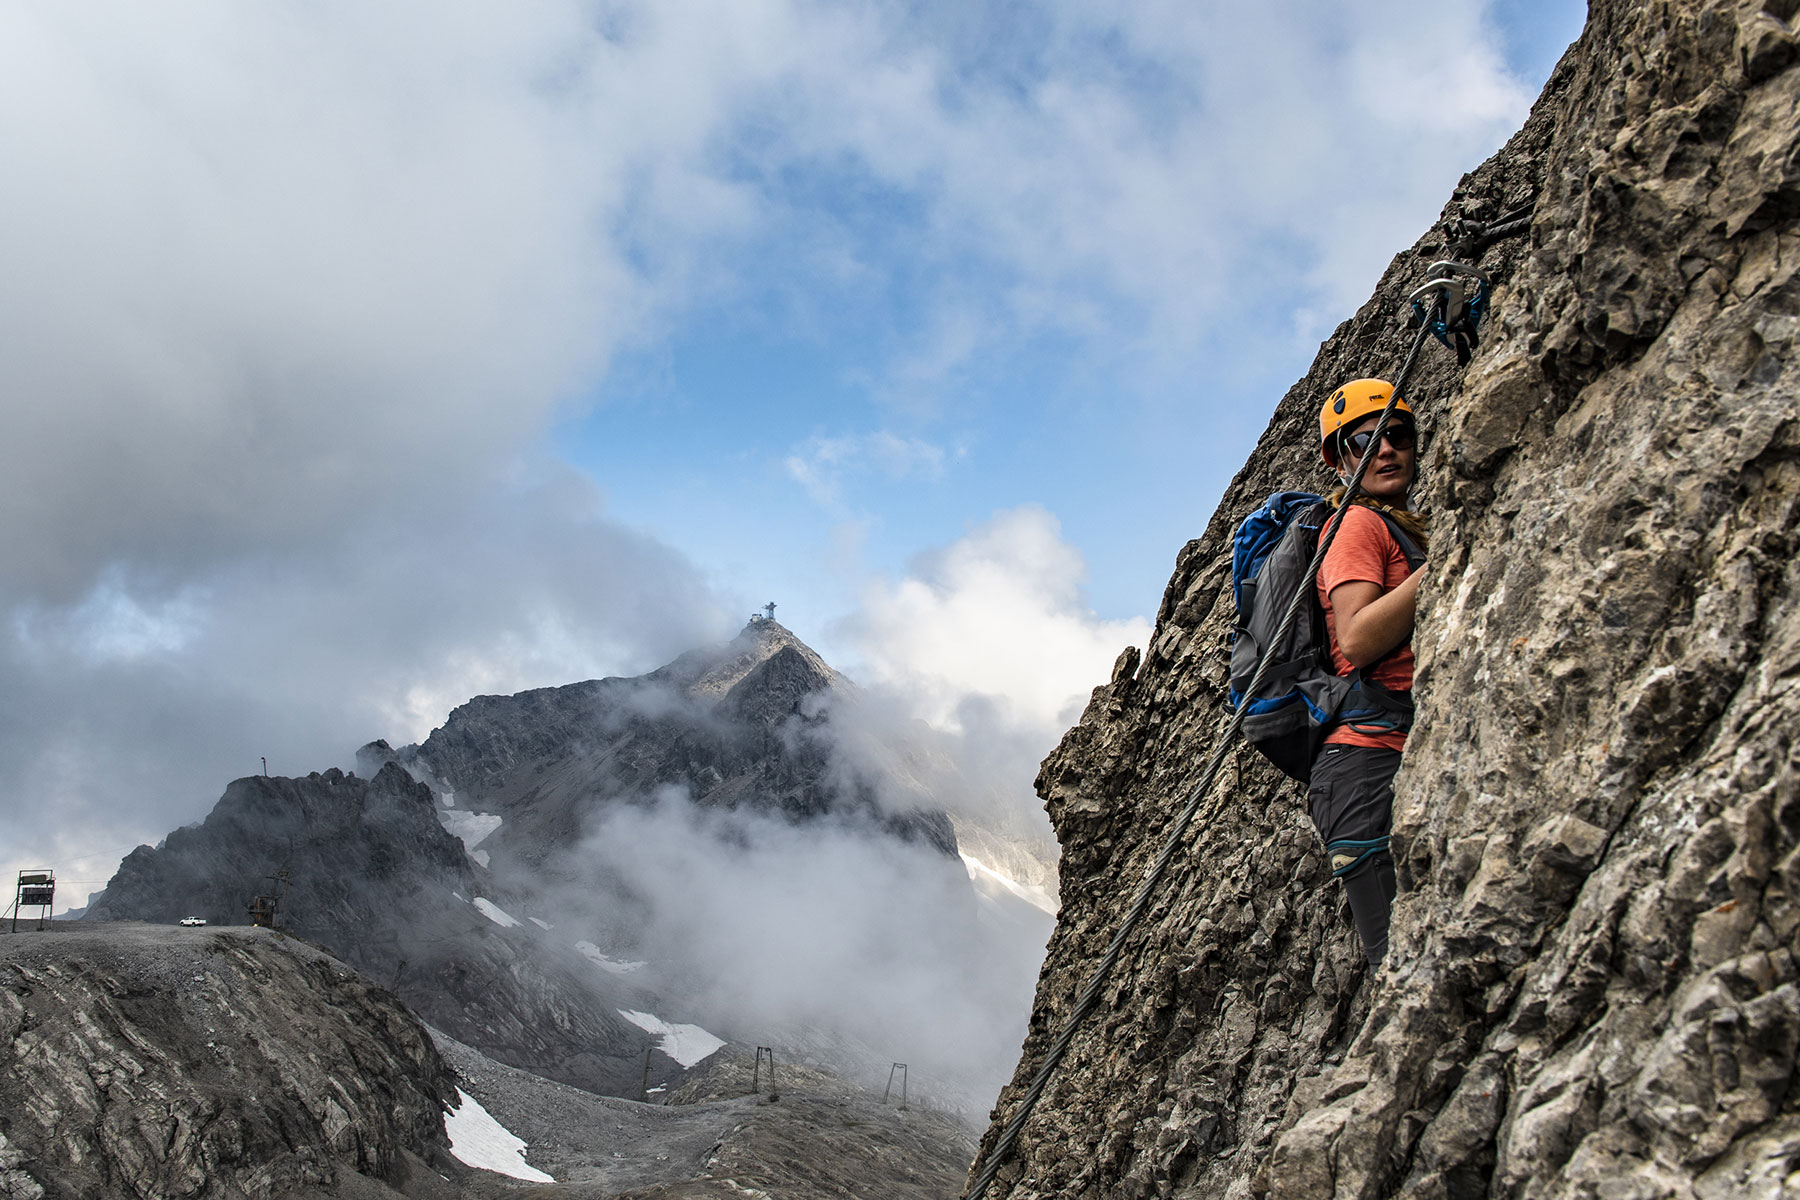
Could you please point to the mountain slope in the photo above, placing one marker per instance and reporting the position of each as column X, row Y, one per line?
column 728, row 726
column 148, row 1061
column 603, row 848
column 374, row 876
column 1592, row 986
column 157, row 1061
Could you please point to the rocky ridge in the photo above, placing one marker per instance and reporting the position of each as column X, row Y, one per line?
column 1592, row 989
column 158, row 1061
column 374, row 875
column 727, row 725
column 477, row 876
column 149, row 1061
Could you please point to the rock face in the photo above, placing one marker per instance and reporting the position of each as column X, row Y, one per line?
column 351, row 846
column 1592, row 988
column 475, row 902
column 151, row 1061
column 373, row 874
column 727, row 725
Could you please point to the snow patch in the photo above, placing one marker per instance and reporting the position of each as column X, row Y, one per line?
column 470, row 828
column 616, row 966
column 984, row 875
column 538, row 923
column 495, row 913
column 686, row 1044
column 480, row 856
column 478, row 1140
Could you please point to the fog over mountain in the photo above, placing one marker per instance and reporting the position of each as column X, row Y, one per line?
column 739, row 841
column 359, row 362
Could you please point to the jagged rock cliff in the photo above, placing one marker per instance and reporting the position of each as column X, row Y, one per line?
column 728, row 725
column 482, row 903
column 1592, row 989
column 147, row 1061
column 155, row 1061
column 374, row 875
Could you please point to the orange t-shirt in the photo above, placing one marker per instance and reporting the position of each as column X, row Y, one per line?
column 1365, row 551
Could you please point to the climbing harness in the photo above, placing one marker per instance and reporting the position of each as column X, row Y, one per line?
column 1348, row 855
column 1451, row 303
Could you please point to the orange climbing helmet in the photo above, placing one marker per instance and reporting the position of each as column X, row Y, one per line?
column 1348, row 405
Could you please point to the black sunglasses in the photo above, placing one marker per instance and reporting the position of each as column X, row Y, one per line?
column 1400, row 437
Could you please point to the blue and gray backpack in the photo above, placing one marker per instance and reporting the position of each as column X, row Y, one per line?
column 1301, row 697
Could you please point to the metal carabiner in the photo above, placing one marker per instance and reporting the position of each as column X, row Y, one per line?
column 1450, row 284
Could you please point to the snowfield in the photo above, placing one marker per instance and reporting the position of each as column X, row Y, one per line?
column 986, row 877
column 617, row 966
column 477, row 1140
column 470, row 828
column 496, row 914
column 686, row 1044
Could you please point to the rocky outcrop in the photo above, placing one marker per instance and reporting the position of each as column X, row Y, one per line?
column 480, row 903
column 349, row 846
column 153, row 1061
column 729, row 726
column 371, row 873
column 1592, row 989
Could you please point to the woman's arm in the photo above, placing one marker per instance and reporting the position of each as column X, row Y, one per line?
column 1370, row 622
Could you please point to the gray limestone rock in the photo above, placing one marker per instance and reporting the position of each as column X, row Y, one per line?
column 375, row 873
column 1592, row 986
column 160, row 1061
column 729, row 725
column 374, row 876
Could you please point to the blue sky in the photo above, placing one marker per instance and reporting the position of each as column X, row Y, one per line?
column 360, row 359
column 1127, row 441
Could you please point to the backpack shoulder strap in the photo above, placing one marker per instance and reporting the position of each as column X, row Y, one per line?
column 1415, row 557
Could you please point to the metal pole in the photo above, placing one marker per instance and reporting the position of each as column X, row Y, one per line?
column 900, row 1067
column 774, row 1091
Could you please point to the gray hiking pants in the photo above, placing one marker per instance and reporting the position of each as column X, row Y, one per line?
column 1352, row 802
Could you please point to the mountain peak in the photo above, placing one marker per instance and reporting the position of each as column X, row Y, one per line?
column 712, row 671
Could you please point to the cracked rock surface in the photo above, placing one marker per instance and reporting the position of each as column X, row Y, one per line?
column 167, row 1062
column 1592, row 986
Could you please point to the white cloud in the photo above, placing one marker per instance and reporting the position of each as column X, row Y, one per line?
column 126, row 714
column 997, row 616
column 113, row 623
column 270, row 266
column 776, row 927
column 292, row 293
column 1138, row 171
column 823, row 466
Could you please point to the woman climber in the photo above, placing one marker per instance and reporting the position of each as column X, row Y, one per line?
column 1368, row 586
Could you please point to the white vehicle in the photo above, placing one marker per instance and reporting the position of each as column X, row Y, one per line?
column 193, row 920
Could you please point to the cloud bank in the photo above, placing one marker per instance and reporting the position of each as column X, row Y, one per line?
column 295, row 295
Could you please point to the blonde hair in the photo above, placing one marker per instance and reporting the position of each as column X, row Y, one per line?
column 1411, row 521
